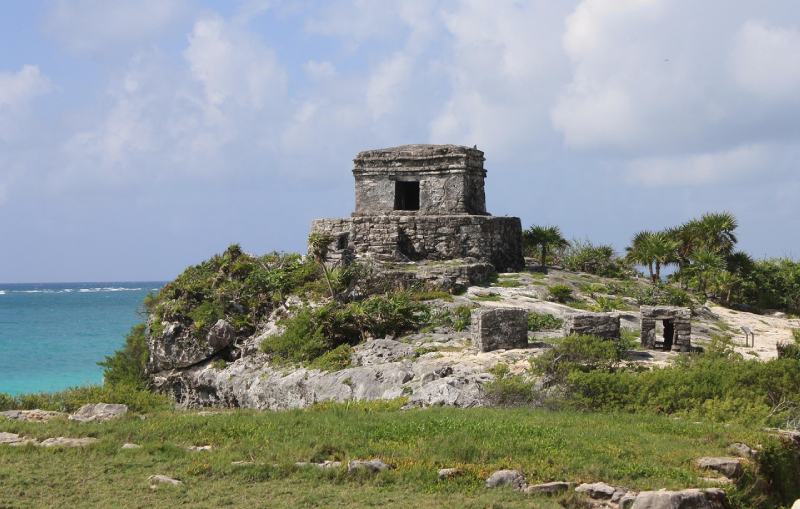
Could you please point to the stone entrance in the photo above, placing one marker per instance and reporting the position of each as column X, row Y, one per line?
column 666, row 327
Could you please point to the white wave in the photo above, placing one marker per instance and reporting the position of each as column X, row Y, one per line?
column 108, row 289
column 2, row 292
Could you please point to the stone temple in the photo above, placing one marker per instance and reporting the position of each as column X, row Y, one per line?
column 423, row 204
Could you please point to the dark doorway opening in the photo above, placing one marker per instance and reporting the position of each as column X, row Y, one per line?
column 406, row 195
column 669, row 334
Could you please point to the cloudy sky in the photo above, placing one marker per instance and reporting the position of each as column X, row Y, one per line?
column 139, row 136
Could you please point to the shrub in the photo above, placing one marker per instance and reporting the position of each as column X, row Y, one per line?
column 788, row 350
column 583, row 256
column 507, row 389
column 314, row 332
column 128, row 365
column 333, row 360
column 462, row 317
column 578, row 353
column 560, row 292
column 714, row 387
column 543, row 321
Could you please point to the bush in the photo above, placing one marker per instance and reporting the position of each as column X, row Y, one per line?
column 507, row 389
column 562, row 293
column 543, row 321
column 128, row 365
column 578, row 353
column 462, row 318
column 314, row 332
column 583, row 256
column 788, row 350
column 714, row 387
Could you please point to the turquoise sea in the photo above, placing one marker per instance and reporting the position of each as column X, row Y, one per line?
column 53, row 334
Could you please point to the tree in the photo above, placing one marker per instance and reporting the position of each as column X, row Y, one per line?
column 318, row 246
column 716, row 232
column 705, row 267
column 653, row 250
column 544, row 238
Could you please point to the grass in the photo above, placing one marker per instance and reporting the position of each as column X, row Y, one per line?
column 488, row 297
column 638, row 451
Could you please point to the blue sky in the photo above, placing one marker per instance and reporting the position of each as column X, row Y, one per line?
column 137, row 137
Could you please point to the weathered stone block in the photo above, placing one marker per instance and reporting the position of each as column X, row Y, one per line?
column 604, row 325
column 500, row 328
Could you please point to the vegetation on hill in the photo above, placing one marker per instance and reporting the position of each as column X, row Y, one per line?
column 702, row 256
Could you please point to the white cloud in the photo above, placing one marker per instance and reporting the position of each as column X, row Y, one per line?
column 766, row 61
column 17, row 90
column 97, row 25
column 233, row 66
column 504, row 67
column 387, row 83
column 696, row 169
column 317, row 70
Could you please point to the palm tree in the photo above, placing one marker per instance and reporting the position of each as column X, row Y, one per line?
column 717, row 232
column 545, row 238
column 705, row 267
column 654, row 250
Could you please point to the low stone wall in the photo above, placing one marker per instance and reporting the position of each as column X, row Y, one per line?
column 451, row 276
column 604, row 325
column 500, row 328
column 399, row 238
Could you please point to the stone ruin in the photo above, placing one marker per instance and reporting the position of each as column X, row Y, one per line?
column 665, row 327
column 424, row 204
column 603, row 325
column 500, row 328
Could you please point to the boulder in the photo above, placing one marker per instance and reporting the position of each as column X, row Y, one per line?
column 99, row 412
column 68, row 442
column 380, row 351
column 601, row 491
column 727, row 466
column 35, row 415
column 155, row 480
column 500, row 328
column 199, row 448
column 324, row 465
column 548, row 488
column 131, row 446
column 796, row 504
column 449, row 473
column 709, row 498
column 371, row 466
column 179, row 346
column 513, row 478
column 742, row 450
column 9, row 438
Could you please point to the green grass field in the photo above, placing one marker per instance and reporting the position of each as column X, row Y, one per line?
column 636, row 451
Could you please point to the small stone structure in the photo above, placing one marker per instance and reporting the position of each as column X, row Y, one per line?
column 418, row 203
column 500, row 328
column 603, row 325
column 666, row 327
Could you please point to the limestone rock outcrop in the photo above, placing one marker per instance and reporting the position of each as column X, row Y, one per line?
column 179, row 347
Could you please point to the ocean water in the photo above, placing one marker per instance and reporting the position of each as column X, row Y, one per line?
column 53, row 335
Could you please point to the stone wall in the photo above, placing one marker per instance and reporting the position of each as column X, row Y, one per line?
column 603, row 325
column 680, row 318
column 451, row 179
column 400, row 238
